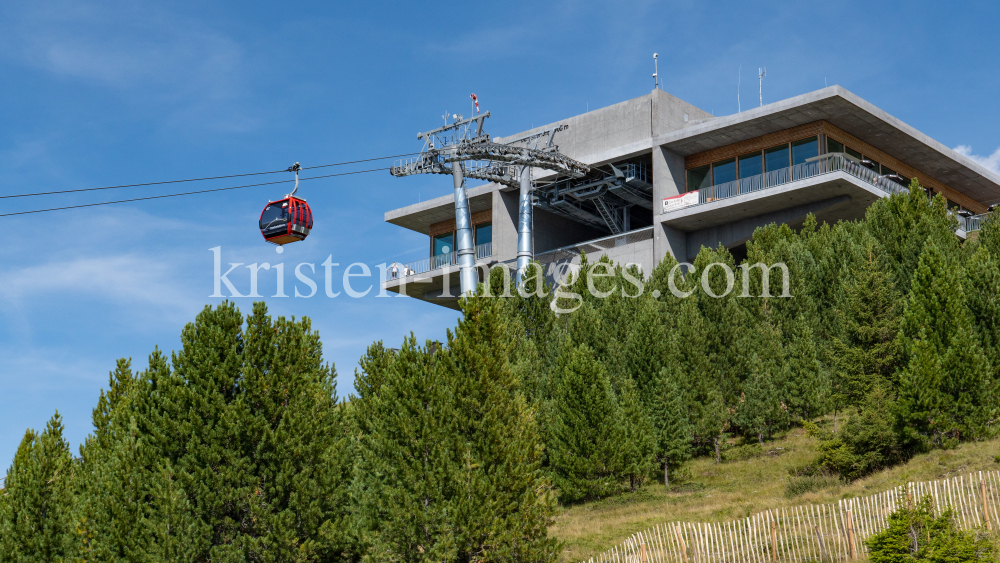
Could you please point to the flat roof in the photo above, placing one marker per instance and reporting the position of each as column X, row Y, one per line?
column 854, row 115
column 420, row 216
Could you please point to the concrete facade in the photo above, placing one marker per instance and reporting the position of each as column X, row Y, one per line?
column 671, row 132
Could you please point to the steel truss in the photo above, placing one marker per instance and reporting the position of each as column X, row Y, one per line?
column 464, row 150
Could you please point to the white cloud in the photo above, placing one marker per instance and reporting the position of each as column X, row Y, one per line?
column 991, row 162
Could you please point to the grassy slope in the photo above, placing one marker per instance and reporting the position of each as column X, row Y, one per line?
column 737, row 489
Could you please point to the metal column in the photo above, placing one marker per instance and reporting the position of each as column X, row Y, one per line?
column 463, row 233
column 524, row 238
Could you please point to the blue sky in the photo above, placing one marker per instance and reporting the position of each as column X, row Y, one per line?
column 115, row 92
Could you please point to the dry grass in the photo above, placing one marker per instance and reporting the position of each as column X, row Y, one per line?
column 719, row 492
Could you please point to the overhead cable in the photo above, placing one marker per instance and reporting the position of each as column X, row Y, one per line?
column 188, row 193
column 201, row 179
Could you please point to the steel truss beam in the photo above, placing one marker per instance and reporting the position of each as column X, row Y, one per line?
column 464, row 150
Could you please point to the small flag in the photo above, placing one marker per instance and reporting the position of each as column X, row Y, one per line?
column 475, row 99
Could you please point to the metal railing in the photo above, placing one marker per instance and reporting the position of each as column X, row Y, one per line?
column 970, row 224
column 825, row 164
column 484, row 250
column 834, row 162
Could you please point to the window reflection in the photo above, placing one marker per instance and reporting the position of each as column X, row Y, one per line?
column 751, row 165
column 443, row 244
column 698, row 178
column 724, row 171
column 804, row 150
column 776, row 158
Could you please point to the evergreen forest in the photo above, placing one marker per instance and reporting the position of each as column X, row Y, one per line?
column 237, row 447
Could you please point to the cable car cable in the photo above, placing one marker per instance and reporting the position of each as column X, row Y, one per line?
column 200, row 179
column 189, row 193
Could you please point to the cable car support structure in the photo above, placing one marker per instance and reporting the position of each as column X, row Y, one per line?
column 463, row 150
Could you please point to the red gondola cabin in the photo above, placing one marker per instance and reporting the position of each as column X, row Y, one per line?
column 286, row 220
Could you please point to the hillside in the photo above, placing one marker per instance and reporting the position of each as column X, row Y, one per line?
column 733, row 489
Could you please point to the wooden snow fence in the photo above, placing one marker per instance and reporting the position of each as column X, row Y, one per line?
column 824, row 532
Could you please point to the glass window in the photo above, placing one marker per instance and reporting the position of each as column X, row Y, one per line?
column 886, row 171
column 274, row 214
column 751, row 165
column 698, row 178
column 952, row 205
column 852, row 152
column 834, row 146
column 484, row 233
column 776, row 158
column 804, row 149
column 724, row 171
column 443, row 244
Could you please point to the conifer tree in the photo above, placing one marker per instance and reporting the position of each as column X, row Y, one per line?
column 635, row 440
column 669, row 414
column 807, row 389
column 582, row 442
column 296, row 444
column 869, row 354
column 761, row 410
column 989, row 235
column 945, row 391
column 983, row 297
column 408, row 463
column 503, row 507
column 904, row 224
column 36, row 510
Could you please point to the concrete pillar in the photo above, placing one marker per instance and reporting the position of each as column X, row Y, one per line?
column 668, row 180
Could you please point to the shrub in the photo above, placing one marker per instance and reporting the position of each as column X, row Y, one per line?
column 866, row 444
column 915, row 534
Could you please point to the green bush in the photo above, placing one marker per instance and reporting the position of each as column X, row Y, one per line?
column 917, row 535
column 866, row 444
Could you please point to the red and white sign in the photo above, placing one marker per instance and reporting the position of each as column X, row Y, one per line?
column 679, row 201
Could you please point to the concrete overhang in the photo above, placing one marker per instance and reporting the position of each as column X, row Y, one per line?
column 854, row 115
column 829, row 187
column 420, row 216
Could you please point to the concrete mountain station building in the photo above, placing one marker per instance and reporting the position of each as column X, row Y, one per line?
column 667, row 177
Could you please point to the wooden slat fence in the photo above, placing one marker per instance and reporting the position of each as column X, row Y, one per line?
column 824, row 532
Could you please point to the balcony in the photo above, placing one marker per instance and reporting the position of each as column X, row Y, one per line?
column 816, row 167
column 435, row 263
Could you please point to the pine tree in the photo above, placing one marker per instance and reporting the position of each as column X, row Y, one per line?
column 502, row 507
column 581, row 445
column 237, row 453
column 636, row 439
column 408, row 461
column 989, row 235
column 904, row 224
column 945, row 392
column 760, row 410
column 669, row 415
column 296, row 443
column 807, row 389
column 869, row 353
column 36, row 515
column 983, row 298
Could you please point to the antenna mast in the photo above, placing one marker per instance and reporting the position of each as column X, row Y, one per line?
column 760, row 83
column 656, row 72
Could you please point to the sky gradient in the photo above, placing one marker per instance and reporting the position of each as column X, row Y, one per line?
column 115, row 92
